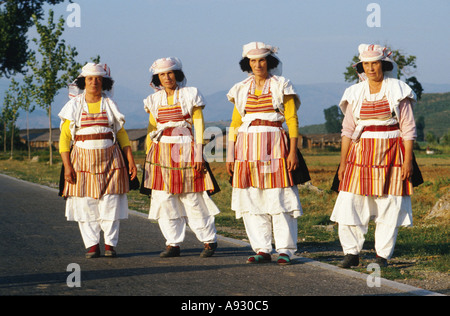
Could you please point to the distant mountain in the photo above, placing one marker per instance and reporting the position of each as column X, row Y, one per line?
column 314, row 97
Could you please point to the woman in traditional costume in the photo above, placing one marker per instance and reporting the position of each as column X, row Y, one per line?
column 95, row 173
column 175, row 170
column 262, row 157
column 376, row 166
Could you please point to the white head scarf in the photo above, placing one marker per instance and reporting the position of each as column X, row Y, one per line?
column 261, row 50
column 258, row 50
column 91, row 69
column 166, row 64
column 371, row 52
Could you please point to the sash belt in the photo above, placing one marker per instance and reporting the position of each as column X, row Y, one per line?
column 376, row 128
column 259, row 122
column 94, row 136
column 177, row 131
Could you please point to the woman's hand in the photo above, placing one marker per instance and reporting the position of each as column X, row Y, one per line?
column 407, row 169
column 132, row 170
column 345, row 146
column 230, row 158
column 341, row 171
column 292, row 161
column 198, row 166
column 230, row 168
column 198, row 158
column 69, row 174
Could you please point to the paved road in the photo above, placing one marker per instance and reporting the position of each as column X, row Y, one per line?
column 37, row 245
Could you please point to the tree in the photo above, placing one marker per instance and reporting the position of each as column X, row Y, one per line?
column 5, row 118
column 15, row 19
column 430, row 138
column 420, row 126
column 445, row 140
column 55, row 70
column 415, row 85
column 12, row 105
column 406, row 65
column 333, row 119
column 25, row 99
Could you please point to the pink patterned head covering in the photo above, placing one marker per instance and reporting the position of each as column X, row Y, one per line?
column 374, row 52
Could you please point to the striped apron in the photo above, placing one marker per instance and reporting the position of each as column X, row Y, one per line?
column 169, row 166
column 260, row 157
column 374, row 165
column 98, row 171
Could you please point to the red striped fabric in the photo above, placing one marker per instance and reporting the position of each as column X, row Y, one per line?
column 169, row 167
column 259, row 104
column 374, row 168
column 94, row 119
column 171, row 114
column 379, row 110
column 261, row 161
column 98, row 172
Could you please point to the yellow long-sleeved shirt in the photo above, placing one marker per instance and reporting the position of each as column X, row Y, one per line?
column 66, row 136
column 197, row 117
column 290, row 114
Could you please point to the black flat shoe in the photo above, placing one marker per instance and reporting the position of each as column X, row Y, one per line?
column 209, row 250
column 170, row 252
column 349, row 261
column 381, row 262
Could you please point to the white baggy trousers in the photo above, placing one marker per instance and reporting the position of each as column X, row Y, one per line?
column 259, row 230
column 353, row 213
column 175, row 211
column 97, row 215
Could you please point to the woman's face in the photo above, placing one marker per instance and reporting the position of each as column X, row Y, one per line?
column 168, row 79
column 259, row 67
column 373, row 70
column 93, row 84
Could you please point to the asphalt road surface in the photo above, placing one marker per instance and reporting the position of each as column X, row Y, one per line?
column 42, row 254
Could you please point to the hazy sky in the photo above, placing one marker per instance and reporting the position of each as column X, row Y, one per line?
column 317, row 39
